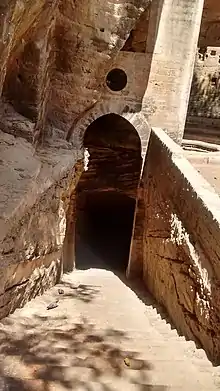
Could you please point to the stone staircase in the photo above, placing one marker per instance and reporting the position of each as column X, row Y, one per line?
column 101, row 336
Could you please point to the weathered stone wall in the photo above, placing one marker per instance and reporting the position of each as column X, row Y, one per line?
column 137, row 81
column 210, row 27
column 204, row 109
column 26, row 68
column 137, row 40
column 26, row 56
column 181, row 243
column 53, row 60
column 16, row 18
column 114, row 156
column 54, row 57
column 88, row 36
column 34, row 201
column 135, row 264
column 172, row 41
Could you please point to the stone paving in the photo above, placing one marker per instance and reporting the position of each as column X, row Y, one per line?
column 101, row 336
column 208, row 165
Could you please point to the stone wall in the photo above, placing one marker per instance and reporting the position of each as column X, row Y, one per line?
column 35, row 194
column 210, row 27
column 88, row 36
column 54, row 57
column 136, row 85
column 172, row 41
column 114, row 157
column 137, row 40
column 204, row 98
column 53, row 61
column 204, row 109
column 26, row 51
column 181, row 243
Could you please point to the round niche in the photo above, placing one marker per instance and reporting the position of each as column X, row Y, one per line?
column 116, row 79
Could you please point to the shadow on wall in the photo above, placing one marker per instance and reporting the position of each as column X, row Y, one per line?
column 204, row 97
column 137, row 39
column 71, row 354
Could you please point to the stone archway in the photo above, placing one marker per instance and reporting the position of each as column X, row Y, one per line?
column 128, row 111
column 106, row 193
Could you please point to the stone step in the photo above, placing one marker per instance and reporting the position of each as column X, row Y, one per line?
column 149, row 342
column 16, row 384
column 89, row 340
column 92, row 373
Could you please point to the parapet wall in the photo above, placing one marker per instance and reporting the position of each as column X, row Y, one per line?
column 182, row 243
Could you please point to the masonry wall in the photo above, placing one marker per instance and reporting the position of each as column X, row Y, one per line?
column 53, row 86
column 171, row 44
column 34, row 202
column 43, row 89
column 204, row 100
column 204, row 108
column 181, row 244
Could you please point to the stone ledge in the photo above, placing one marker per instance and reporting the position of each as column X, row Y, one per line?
column 24, row 281
column 26, row 175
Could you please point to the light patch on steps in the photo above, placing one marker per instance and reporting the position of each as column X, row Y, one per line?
column 202, row 309
column 177, row 230
column 29, row 251
column 61, row 224
column 86, row 159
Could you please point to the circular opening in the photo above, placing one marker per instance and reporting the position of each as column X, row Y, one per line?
column 116, row 79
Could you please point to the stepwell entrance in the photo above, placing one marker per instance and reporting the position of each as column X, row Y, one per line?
column 106, row 194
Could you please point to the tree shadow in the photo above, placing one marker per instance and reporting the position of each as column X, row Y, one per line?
column 82, row 292
column 48, row 352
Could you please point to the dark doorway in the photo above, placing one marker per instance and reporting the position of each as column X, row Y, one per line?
column 106, row 194
column 105, row 228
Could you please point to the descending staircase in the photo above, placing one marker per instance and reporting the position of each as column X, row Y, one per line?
column 100, row 337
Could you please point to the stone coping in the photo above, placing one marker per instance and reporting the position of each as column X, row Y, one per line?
column 204, row 191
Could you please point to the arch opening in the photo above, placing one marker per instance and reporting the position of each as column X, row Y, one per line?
column 106, row 194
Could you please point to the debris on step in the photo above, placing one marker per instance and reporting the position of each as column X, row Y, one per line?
column 60, row 291
column 74, row 286
column 127, row 362
column 53, row 305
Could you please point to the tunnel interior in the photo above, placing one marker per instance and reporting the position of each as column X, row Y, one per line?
column 105, row 226
column 106, row 194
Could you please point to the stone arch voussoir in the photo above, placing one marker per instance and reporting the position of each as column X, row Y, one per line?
column 136, row 119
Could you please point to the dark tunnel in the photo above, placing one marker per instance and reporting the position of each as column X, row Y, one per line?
column 106, row 194
column 105, row 225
